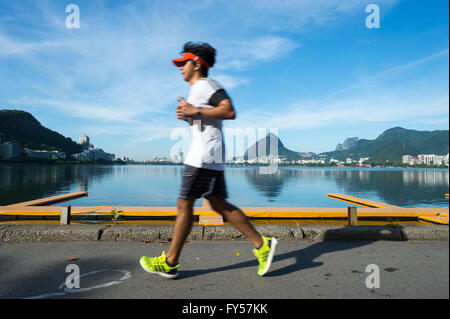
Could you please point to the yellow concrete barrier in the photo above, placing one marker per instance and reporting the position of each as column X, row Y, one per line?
column 209, row 216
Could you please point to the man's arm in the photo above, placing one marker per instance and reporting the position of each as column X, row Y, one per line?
column 223, row 111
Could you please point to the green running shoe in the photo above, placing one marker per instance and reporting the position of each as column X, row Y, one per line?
column 265, row 254
column 158, row 265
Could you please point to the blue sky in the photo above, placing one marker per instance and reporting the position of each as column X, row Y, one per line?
column 310, row 69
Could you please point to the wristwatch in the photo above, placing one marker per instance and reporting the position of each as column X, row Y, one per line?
column 199, row 111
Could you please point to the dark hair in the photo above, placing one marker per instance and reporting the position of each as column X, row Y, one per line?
column 204, row 51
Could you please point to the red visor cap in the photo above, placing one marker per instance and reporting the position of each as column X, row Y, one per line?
column 190, row 56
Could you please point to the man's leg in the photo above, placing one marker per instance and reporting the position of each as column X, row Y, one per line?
column 236, row 217
column 182, row 228
column 264, row 246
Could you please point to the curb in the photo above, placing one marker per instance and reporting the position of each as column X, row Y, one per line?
column 58, row 233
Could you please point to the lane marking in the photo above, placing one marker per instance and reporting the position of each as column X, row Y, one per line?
column 126, row 275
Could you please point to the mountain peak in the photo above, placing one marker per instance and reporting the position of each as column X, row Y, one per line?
column 348, row 143
column 265, row 146
column 394, row 131
column 18, row 114
column 273, row 138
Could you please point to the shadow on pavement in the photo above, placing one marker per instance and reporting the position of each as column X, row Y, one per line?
column 304, row 257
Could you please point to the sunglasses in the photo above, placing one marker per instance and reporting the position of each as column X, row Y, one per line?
column 183, row 63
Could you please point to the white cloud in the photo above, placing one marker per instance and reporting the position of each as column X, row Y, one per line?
column 300, row 15
column 134, row 132
column 383, row 76
column 13, row 48
column 230, row 82
column 117, row 67
column 268, row 48
column 111, row 70
column 380, row 103
column 382, row 108
column 243, row 54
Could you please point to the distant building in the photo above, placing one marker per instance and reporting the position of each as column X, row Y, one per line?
column 348, row 161
column 100, row 154
column 84, row 142
column 440, row 160
column 427, row 159
column 90, row 153
column 10, row 150
column 94, row 154
column 84, row 139
column 363, row 159
column 406, row 159
column 177, row 158
column 160, row 159
column 44, row 154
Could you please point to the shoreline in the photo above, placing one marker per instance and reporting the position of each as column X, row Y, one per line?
column 226, row 165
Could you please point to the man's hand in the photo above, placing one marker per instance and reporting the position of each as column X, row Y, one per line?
column 184, row 109
column 180, row 111
column 223, row 111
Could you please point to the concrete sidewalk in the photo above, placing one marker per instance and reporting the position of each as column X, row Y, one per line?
column 154, row 233
column 215, row 270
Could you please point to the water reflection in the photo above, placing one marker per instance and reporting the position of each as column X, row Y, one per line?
column 397, row 187
column 24, row 182
column 145, row 185
column 269, row 184
column 393, row 186
column 148, row 170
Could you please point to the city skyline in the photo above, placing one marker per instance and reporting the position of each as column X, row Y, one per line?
column 10, row 150
column 317, row 74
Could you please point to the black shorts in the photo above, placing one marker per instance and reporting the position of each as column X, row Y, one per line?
column 202, row 182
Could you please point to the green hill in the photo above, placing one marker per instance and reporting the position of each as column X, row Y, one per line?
column 392, row 144
column 21, row 127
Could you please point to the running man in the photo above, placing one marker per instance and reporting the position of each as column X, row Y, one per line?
column 203, row 176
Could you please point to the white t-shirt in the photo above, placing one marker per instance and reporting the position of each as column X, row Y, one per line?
column 207, row 149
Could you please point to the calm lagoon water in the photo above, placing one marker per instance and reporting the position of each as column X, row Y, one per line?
column 148, row 185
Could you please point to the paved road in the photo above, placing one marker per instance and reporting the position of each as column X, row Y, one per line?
column 215, row 270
